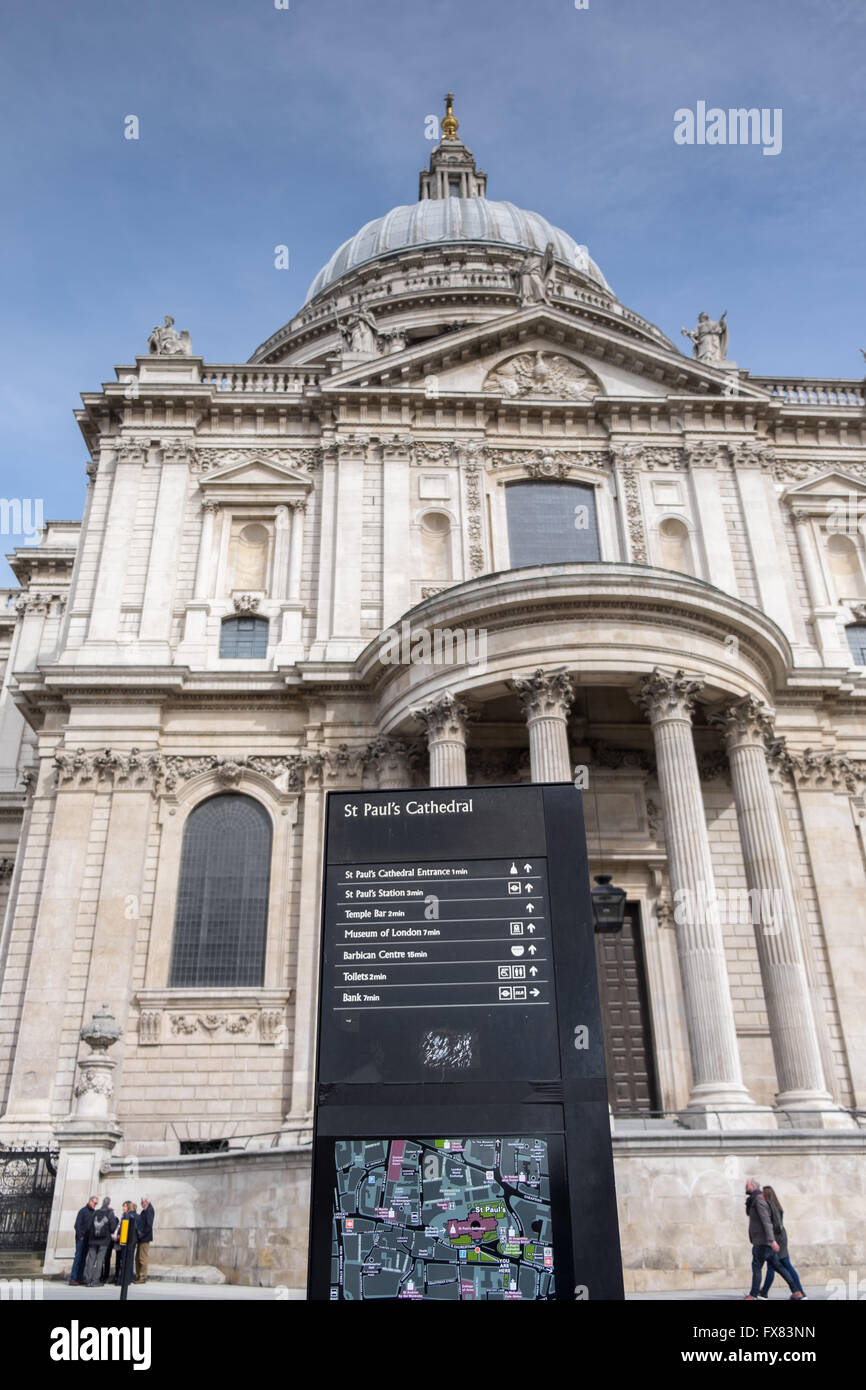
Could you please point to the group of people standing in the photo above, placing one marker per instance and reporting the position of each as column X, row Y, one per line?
column 769, row 1243
column 97, row 1235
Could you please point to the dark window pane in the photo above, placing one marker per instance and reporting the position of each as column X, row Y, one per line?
column 551, row 522
column 221, row 917
column 244, row 637
column 856, row 634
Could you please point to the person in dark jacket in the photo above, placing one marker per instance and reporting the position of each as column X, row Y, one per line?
column 144, row 1236
column 765, row 1247
column 777, row 1216
column 99, row 1243
column 83, row 1223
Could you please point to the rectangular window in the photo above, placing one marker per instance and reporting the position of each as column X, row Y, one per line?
column 551, row 523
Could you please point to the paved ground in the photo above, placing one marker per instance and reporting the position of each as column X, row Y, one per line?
column 815, row 1292
column 56, row 1291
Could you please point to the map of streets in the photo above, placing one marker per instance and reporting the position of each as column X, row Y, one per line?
column 442, row 1218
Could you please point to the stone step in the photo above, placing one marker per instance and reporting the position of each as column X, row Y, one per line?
column 20, row 1264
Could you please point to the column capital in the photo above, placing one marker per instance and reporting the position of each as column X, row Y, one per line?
column 664, row 696
column 392, row 759
column 444, row 717
column 747, row 720
column 544, row 693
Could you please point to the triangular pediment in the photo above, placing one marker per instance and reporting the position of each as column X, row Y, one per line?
column 255, row 473
column 825, row 486
column 617, row 361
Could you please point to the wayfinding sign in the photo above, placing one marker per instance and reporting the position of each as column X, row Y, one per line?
column 462, row 1140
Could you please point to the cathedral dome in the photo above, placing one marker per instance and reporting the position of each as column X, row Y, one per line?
column 435, row 220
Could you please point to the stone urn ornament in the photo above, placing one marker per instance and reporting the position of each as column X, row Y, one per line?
column 96, row 1085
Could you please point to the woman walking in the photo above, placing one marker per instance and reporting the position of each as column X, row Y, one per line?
column 777, row 1216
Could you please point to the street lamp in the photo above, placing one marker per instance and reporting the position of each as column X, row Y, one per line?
column 608, row 905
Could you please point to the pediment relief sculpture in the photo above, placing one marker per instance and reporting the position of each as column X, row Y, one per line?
column 542, row 374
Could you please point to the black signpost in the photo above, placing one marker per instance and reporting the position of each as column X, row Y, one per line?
column 127, row 1244
column 462, row 1138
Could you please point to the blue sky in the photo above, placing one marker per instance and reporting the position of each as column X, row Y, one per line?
column 261, row 126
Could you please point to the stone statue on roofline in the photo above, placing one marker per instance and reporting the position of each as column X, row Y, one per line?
column 709, row 339
column 165, row 341
column 533, row 277
column 360, row 334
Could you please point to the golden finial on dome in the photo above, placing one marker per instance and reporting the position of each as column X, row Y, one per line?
column 449, row 120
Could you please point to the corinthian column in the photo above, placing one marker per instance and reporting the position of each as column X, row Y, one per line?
column 445, row 720
column 796, row 1050
column 545, row 698
column 717, row 1082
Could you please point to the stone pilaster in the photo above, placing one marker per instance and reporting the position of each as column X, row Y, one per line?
column 793, row 1034
column 717, row 1082
column 445, row 720
column 546, row 698
column 156, row 610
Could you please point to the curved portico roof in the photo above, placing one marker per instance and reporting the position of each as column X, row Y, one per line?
column 610, row 623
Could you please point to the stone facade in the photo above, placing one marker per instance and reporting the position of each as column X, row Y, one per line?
column 358, row 478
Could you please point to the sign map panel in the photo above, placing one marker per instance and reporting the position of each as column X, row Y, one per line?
column 461, row 1145
column 448, row 1219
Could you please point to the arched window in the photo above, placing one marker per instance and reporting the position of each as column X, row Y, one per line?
column 676, row 545
column 220, row 923
column 436, row 546
column 550, row 522
column 845, row 566
column 856, row 634
column 244, row 636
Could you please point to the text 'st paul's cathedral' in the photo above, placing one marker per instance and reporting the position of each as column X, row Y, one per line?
column 636, row 557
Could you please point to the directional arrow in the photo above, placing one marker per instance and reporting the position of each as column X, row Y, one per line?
column 527, row 868
column 529, row 888
column 535, row 993
column 530, row 926
column 532, row 949
column 529, row 907
column 533, row 969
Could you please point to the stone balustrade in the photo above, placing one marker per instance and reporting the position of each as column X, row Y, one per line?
column 796, row 391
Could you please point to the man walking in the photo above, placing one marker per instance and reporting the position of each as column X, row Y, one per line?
column 83, row 1223
column 144, row 1235
column 765, row 1247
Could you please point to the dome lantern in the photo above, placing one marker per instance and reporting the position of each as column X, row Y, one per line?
column 452, row 172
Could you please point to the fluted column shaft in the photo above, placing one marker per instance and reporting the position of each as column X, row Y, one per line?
column 546, row 699
column 796, row 1049
column 445, row 721
column 716, row 1074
